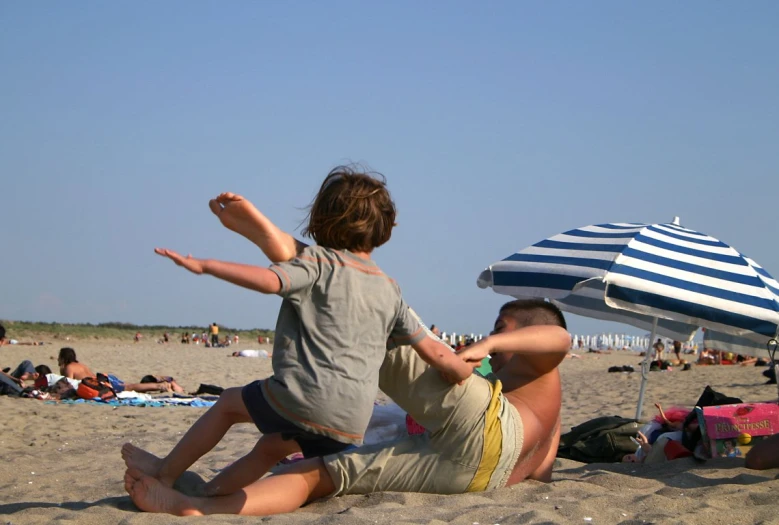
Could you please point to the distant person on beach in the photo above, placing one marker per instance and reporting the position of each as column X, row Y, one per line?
column 251, row 353
column 678, row 351
column 5, row 341
column 137, row 337
column 10, row 385
column 522, row 424
column 328, row 342
column 25, row 371
column 70, row 367
column 658, row 347
column 214, row 334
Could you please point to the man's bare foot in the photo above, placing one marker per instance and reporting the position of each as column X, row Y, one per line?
column 150, row 495
column 239, row 215
column 145, row 462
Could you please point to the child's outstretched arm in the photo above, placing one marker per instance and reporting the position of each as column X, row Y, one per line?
column 547, row 345
column 252, row 277
column 440, row 356
column 238, row 214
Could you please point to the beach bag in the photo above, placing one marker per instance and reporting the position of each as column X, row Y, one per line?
column 709, row 398
column 96, row 387
column 601, row 440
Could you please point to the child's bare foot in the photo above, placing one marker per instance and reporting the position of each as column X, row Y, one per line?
column 145, row 462
column 239, row 215
column 150, row 495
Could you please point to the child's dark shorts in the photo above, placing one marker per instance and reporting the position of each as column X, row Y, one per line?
column 268, row 421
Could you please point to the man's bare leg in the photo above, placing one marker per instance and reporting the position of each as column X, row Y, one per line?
column 199, row 439
column 284, row 492
column 241, row 216
column 268, row 451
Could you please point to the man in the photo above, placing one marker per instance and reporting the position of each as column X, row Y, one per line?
column 9, row 385
column 214, row 335
column 482, row 435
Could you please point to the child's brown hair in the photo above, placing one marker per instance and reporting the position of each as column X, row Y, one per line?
column 352, row 211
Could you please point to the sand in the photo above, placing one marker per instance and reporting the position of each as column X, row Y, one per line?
column 61, row 463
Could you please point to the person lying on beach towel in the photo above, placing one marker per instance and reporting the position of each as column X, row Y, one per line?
column 251, row 353
column 72, row 369
column 485, row 434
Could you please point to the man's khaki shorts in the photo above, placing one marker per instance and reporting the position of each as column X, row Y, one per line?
column 473, row 441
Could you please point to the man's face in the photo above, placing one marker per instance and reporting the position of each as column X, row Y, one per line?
column 503, row 323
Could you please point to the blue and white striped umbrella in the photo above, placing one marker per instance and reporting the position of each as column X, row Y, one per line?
column 662, row 277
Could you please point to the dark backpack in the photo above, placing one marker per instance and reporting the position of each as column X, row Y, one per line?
column 601, row 440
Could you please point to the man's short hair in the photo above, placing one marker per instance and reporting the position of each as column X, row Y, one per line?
column 43, row 369
column 532, row 312
column 2, row 332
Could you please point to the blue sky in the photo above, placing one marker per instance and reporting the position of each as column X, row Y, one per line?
column 496, row 124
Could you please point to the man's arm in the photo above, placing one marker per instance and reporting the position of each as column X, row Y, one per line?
column 440, row 356
column 12, row 378
column 254, row 278
column 544, row 345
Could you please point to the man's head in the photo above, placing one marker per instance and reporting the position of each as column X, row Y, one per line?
column 2, row 335
column 42, row 370
column 352, row 211
column 67, row 356
column 519, row 314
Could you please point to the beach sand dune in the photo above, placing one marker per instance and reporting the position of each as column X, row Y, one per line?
column 61, row 463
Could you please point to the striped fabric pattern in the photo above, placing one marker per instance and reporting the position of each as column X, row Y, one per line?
column 631, row 273
column 734, row 344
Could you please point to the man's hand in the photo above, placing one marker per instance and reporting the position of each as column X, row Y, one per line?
column 190, row 263
column 475, row 353
column 458, row 373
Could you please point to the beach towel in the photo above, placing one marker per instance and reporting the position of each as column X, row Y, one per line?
column 142, row 402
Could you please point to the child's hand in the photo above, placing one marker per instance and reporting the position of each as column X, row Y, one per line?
column 190, row 263
column 643, row 442
column 475, row 353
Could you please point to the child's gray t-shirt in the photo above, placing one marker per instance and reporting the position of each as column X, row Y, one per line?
column 339, row 311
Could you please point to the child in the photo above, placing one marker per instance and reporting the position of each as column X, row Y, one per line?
column 338, row 312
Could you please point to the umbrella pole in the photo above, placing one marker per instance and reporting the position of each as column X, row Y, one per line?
column 772, row 345
column 645, row 370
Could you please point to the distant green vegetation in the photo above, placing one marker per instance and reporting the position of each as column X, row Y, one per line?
column 29, row 331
